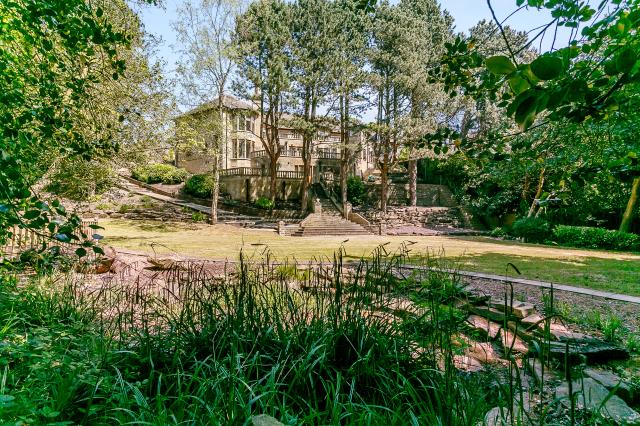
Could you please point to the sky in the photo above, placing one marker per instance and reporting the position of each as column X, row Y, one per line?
column 466, row 13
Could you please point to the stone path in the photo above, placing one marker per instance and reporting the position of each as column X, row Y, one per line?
column 535, row 283
column 131, row 187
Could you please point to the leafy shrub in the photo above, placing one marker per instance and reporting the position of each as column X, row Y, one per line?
column 531, row 229
column 199, row 217
column 199, row 186
column 499, row 233
column 356, row 191
column 160, row 173
column 264, row 203
column 80, row 180
column 600, row 238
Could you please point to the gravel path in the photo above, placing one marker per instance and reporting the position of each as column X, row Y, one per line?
column 578, row 304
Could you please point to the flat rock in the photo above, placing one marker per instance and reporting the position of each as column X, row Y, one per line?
column 612, row 382
column 592, row 396
column 467, row 364
column 541, row 374
column 512, row 343
column 490, row 313
column 593, row 351
column 265, row 420
column 484, row 326
column 515, row 307
column 532, row 321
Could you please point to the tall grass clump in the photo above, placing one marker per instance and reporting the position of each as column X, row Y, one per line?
column 325, row 343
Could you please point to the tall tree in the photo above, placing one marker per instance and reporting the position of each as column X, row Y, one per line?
column 263, row 44
column 348, row 73
column 205, row 29
column 387, row 31
column 420, row 50
column 313, row 51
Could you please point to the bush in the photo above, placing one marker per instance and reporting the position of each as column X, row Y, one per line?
column 199, row 186
column 600, row 238
column 356, row 191
column 264, row 203
column 531, row 229
column 80, row 180
column 160, row 173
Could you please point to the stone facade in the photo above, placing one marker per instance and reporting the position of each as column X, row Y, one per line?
column 425, row 217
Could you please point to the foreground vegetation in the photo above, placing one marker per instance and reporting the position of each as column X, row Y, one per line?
column 607, row 271
column 199, row 350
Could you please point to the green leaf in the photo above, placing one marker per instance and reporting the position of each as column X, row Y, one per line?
column 526, row 112
column 626, row 60
column 518, row 84
column 547, row 67
column 81, row 252
column 500, row 65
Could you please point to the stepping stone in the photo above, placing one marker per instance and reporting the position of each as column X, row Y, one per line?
column 484, row 326
column 594, row 351
column 512, row 343
column 532, row 321
column 490, row 313
column 466, row 363
column 592, row 396
column 612, row 382
column 517, row 308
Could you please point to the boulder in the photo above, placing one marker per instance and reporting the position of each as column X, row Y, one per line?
column 515, row 307
column 512, row 343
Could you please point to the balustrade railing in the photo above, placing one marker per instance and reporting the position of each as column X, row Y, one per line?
column 253, row 171
column 297, row 153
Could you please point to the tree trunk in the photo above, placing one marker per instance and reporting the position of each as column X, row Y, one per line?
column 384, row 184
column 273, row 176
column 413, row 183
column 627, row 217
column 532, row 209
column 307, row 142
column 216, row 193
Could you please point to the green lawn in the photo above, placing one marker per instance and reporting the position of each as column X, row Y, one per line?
column 601, row 270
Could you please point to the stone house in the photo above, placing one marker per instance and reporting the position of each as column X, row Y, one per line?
column 244, row 162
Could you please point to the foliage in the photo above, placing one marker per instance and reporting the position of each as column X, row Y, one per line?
column 531, row 229
column 314, row 359
column 79, row 179
column 356, row 191
column 54, row 56
column 264, row 203
column 199, row 216
column 160, row 173
column 597, row 238
column 199, row 186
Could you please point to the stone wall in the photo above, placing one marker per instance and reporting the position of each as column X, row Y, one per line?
column 250, row 188
column 427, row 217
column 428, row 195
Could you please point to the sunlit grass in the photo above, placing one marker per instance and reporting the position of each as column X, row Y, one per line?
column 610, row 271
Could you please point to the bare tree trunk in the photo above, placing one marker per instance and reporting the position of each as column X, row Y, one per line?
column 627, row 217
column 307, row 142
column 413, row 183
column 216, row 192
column 215, row 170
column 273, row 176
column 384, row 183
column 532, row 209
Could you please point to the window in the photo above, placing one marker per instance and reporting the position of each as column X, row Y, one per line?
column 241, row 123
column 241, row 148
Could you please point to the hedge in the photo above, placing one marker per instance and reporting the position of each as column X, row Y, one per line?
column 160, row 173
column 597, row 238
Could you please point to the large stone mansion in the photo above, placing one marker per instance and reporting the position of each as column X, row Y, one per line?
column 243, row 160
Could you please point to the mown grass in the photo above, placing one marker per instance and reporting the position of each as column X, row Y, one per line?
column 601, row 270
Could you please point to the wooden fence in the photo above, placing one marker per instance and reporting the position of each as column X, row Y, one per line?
column 23, row 239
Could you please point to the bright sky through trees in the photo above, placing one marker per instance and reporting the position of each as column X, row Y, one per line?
column 466, row 14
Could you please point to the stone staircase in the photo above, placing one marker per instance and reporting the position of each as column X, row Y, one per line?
column 328, row 222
